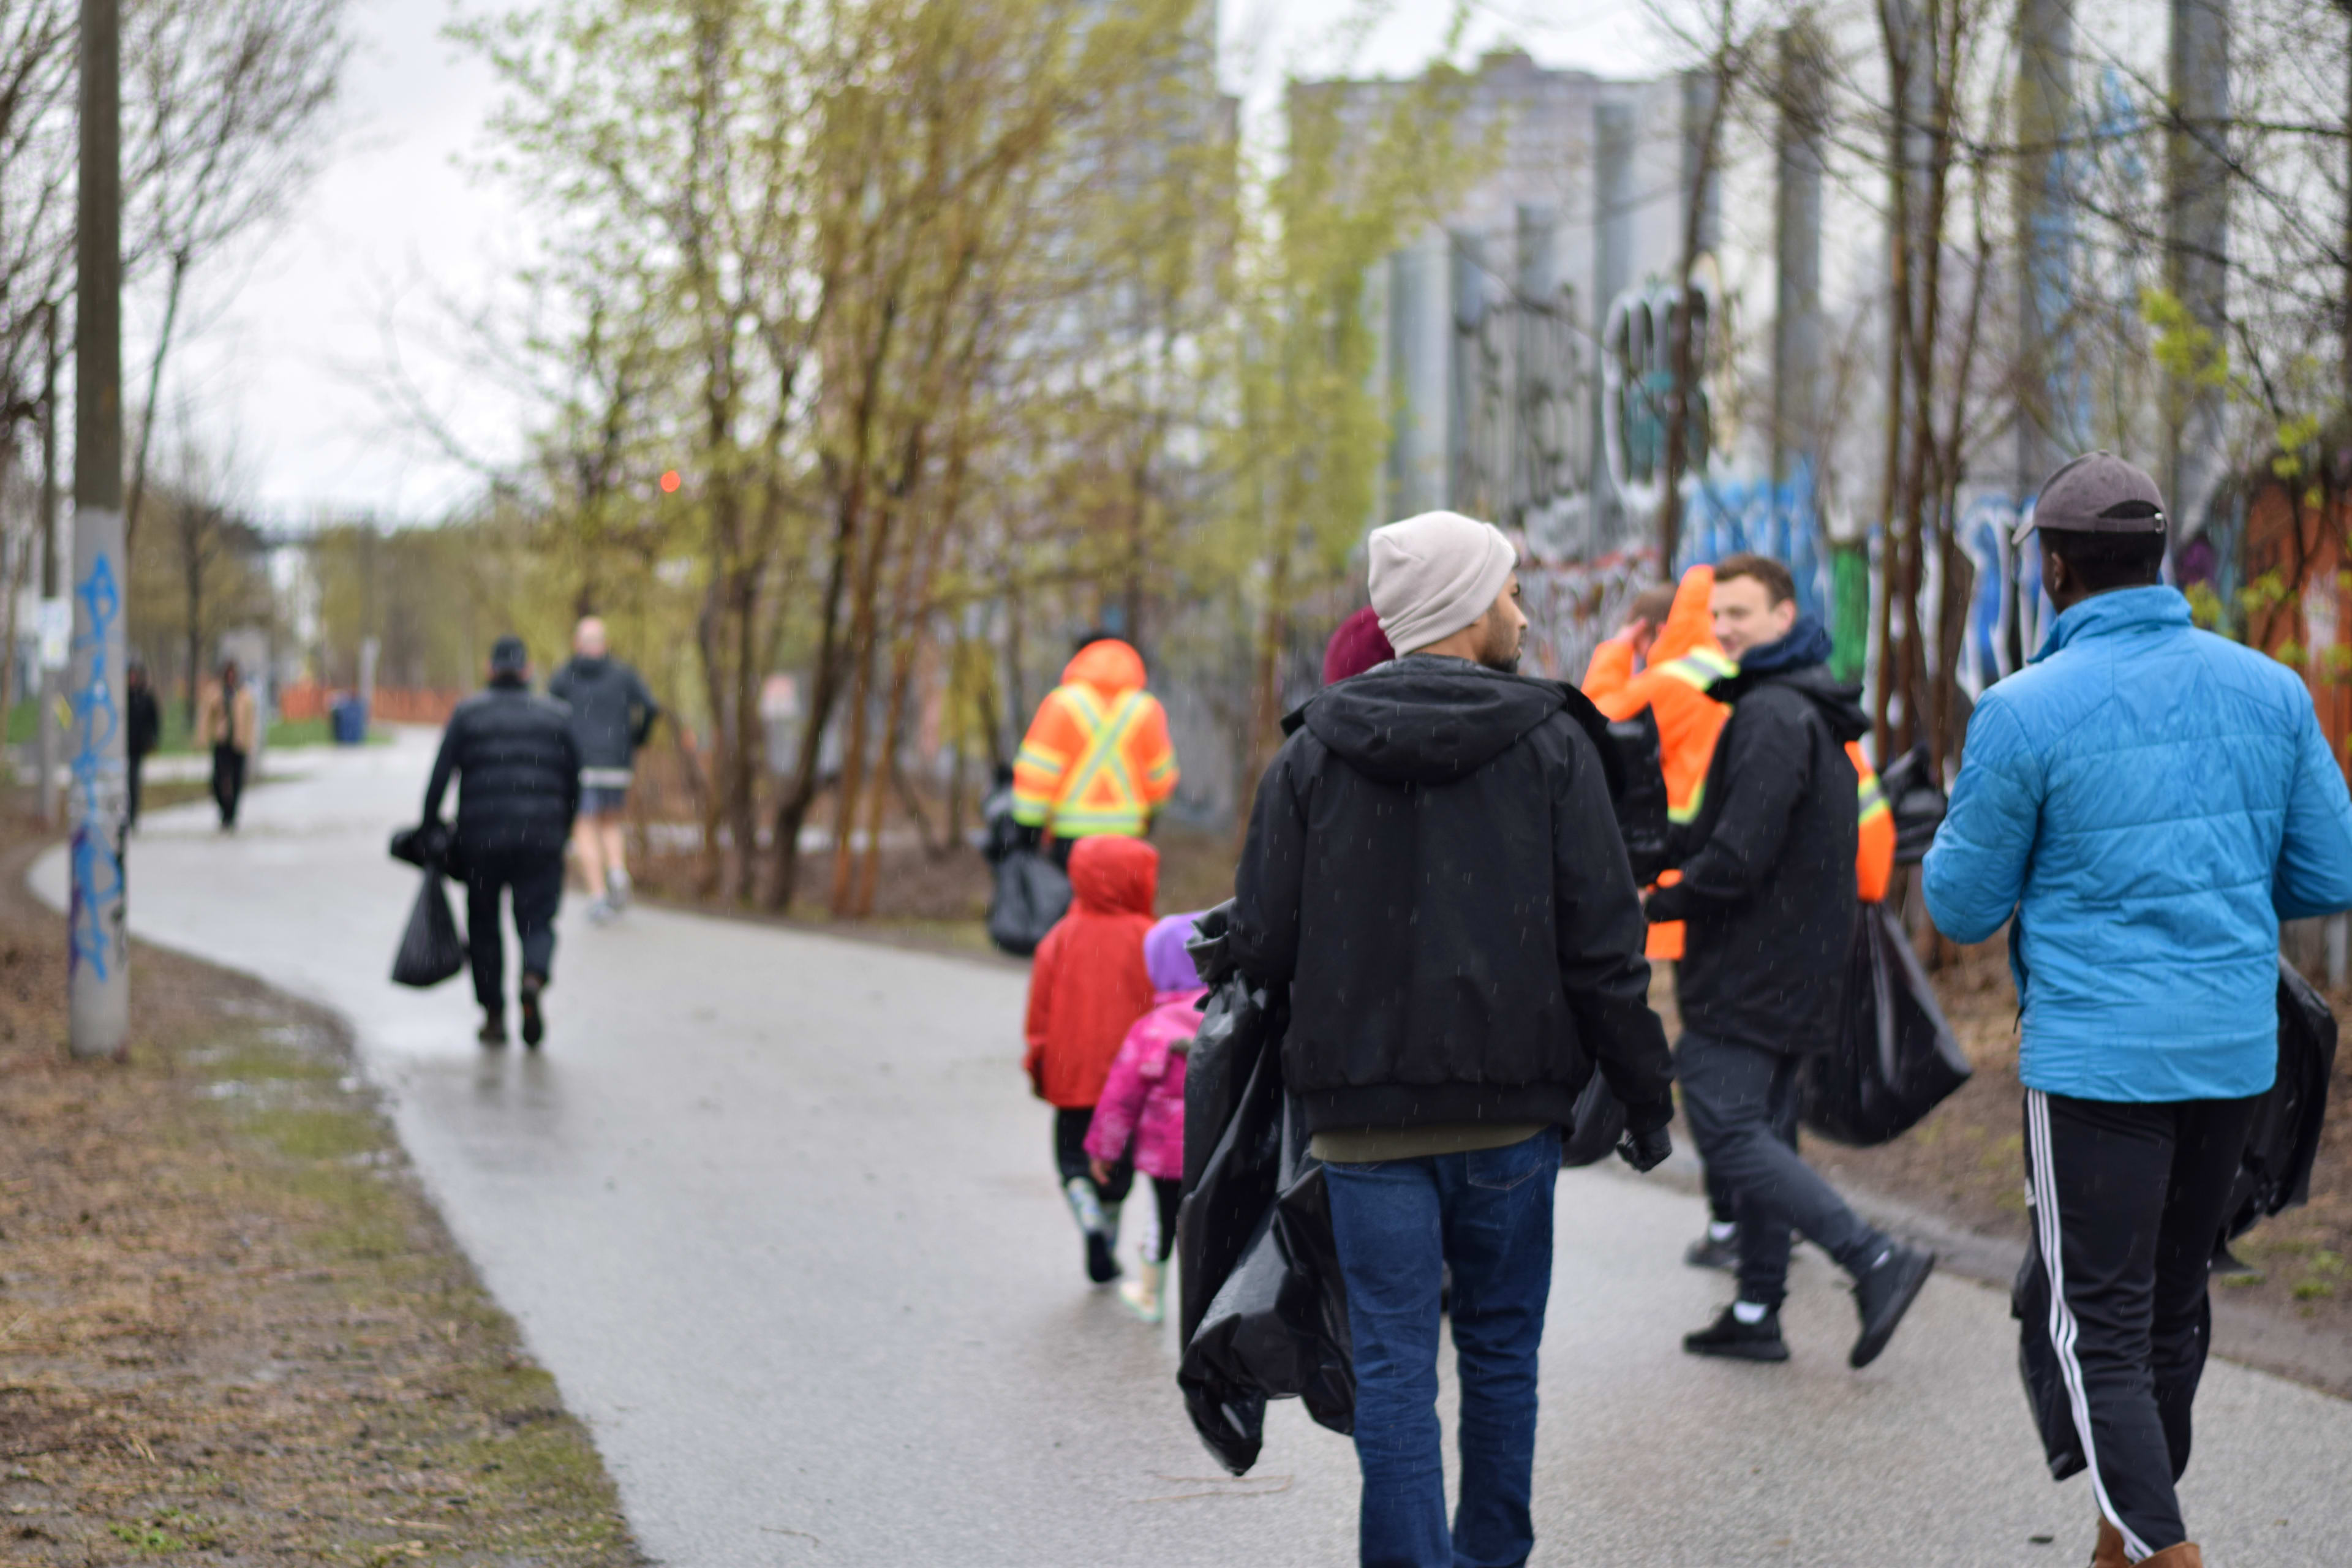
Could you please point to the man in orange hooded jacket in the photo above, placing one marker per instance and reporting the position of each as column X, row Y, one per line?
column 1677, row 660
column 1096, row 759
column 1088, row 986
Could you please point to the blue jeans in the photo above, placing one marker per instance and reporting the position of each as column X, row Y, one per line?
column 1398, row 1223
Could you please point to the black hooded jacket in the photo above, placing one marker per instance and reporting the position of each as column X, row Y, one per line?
column 1767, row 887
column 518, row 768
column 612, row 712
column 1434, row 869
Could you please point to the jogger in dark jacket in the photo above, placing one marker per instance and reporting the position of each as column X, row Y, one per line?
column 519, row 772
column 1768, row 892
column 1434, row 870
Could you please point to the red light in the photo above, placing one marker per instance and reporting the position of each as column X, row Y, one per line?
column 669, row 482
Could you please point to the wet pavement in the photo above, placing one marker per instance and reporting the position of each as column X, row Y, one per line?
column 779, row 1213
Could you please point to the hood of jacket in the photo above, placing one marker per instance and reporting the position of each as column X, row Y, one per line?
column 1690, row 624
column 1113, row 875
column 1426, row 719
column 2124, row 610
column 1840, row 705
column 1109, row 665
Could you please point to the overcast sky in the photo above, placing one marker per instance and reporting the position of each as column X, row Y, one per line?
column 286, row 371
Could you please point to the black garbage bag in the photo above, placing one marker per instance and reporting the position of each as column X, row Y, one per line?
column 1264, row 1311
column 2275, row 1172
column 1641, row 804
column 1032, row 893
column 2039, row 1369
column 1917, row 803
column 430, row 950
column 1599, row 1125
column 1895, row 1058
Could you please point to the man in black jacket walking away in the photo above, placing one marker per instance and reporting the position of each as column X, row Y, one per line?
column 611, row 715
column 518, row 773
column 1434, row 870
column 1768, row 893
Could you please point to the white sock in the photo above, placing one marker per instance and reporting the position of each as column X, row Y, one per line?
column 1750, row 1312
column 1721, row 1229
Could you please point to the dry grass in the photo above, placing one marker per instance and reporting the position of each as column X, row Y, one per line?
column 230, row 1325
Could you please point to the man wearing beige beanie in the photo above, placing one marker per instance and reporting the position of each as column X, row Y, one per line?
column 1433, row 868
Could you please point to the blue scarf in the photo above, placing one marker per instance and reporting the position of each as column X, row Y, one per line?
column 1807, row 642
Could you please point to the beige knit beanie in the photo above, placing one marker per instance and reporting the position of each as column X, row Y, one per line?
column 1435, row 575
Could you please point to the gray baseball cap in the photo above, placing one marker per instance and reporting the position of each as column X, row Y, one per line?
column 2098, row 492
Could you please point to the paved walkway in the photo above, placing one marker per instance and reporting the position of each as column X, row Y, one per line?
column 778, row 1211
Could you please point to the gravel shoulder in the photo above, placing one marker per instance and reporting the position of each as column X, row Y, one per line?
column 231, row 1325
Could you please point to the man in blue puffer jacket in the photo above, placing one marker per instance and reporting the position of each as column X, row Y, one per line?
column 2143, row 804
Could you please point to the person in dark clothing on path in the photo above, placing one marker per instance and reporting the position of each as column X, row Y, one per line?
column 1434, row 872
column 612, row 716
column 2142, row 805
column 228, row 720
column 142, row 727
column 1768, row 897
column 518, row 767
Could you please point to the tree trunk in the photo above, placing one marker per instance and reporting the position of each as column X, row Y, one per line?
column 154, row 390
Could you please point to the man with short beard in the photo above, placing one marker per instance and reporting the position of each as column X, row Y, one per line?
column 1768, row 897
column 1435, row 872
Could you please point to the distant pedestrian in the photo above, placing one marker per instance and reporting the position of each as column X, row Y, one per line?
column 1096, row 759
column 613, row 715
column 1770, row 899
column 142, row 726
column 229, row 721
column 2142, row 807
column 1087, row 986
column 1140, row 1115
column 1434, row 870
column 517, row 771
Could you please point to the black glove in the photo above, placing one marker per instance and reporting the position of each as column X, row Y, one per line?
column 1645, row 1150
column 1029, row 836
column 1665, row 904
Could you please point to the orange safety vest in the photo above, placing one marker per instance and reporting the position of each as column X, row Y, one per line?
column 1097, row 758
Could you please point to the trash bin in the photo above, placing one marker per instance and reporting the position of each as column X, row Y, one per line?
column 350, row 718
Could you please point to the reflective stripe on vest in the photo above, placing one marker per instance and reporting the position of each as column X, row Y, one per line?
column 1699, row 668
column 1102, row 752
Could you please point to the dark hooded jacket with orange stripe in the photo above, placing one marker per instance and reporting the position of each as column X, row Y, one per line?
column 1684, row 661
column 1097, row 758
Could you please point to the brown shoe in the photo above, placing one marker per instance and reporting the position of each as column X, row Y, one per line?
column 2109, row 1553
column 2184, row 1555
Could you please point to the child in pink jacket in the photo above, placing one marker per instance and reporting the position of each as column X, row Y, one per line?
column 1143, row 1100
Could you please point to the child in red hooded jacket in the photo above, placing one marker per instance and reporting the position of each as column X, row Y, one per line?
column 1087, row 986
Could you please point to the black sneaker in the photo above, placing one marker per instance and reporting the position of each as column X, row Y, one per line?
column 1102, row 1262
column 1707, row 1252
column 534, row 1024
column 493, row 1031
column 1883, row 1293
column 1735, row 1341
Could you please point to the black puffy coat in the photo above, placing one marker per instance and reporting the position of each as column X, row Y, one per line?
column 1434, row 869
column 612, row 712
column 1768, row 885
column 519, row 772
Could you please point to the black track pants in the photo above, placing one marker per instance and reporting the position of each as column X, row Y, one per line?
column 2127, row 1203
column 536, row 880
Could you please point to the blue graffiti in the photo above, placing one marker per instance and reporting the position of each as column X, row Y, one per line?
column 97, row 854
column 1726, row 516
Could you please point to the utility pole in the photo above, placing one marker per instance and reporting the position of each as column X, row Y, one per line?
column 101, row 952
column 47, row 717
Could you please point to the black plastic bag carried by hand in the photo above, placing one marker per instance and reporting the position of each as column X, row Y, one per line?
column 1264, row 1309
column 2283, row 1141
column 430, row 950
column 1917, row 803
column 1032, row 893
column 1895, row 1058
column 1599, row 1124
column 1642, row 819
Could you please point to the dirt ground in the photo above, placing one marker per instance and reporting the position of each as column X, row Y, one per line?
column 231, row 1326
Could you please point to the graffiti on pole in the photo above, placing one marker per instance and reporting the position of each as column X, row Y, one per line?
column 98, row 782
